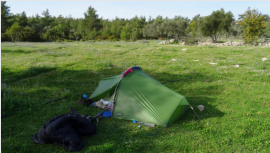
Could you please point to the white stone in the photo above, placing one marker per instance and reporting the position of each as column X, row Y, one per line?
column 236, row 65
column 201, row 108
column 173, row 59
column 196, row 60
column 264, row 59
column 184, row 49
column 171, row 41
column 212, row 63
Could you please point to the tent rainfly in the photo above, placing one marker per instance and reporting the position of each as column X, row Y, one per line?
column 137, row 96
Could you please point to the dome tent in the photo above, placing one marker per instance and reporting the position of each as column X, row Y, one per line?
column 139, row 97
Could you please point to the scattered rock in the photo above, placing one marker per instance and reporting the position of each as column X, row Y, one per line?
column 171, row 41
column 236, row 65
column 212, row 63
column 173, row 59
column 163, row 42
column 184, row 49
column 201, row 108
column 196, row 60
column 264, row 59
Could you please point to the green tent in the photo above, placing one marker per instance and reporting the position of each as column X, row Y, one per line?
column 139, row 97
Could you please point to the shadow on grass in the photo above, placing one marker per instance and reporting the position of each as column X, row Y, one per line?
column 113, row 135
column 8, row 75
column 19, row 51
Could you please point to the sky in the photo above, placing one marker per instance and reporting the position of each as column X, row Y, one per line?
column 129, row 9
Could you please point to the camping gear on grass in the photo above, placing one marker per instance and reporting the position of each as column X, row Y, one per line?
column 137, row 96
column 84, row 100
column 106, row 114
column 66, row 130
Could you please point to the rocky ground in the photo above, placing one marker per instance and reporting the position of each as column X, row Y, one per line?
column 207, row 43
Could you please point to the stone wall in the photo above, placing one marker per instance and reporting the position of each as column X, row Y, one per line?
column 209, row 43
column 230, row 43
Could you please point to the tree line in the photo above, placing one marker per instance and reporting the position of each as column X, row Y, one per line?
column 250, row 25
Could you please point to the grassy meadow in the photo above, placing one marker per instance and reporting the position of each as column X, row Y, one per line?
column 236, row 99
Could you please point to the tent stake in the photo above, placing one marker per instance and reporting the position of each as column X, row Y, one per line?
column 194, row 112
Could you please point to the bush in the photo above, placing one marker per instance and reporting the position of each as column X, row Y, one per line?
column 175, row 41
column 190, row 41
column 103, row 37
column 4, row 37
column 66, row 40
column 112, row 38
column 58, row 40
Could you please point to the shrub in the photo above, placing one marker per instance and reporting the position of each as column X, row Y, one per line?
column 112, row 38
column 190, row 41
column 175, row 41
column 59, row 40
column 103, row 37
column 4, row 37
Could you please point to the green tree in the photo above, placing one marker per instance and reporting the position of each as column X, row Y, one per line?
column 266, row 18
column 235, row 29
column 5, row 17
column 174, row 28
column 28, row 34
column 13, row 31
column 159, row 19
column 125, row 33
column 91, row 20
column 253, row 25
column 266, row 31
column 135, row 34
column 193, row 26
column 22, row 20
column 46, row 20
column 216, row 23
column 34, row 24
column 151, row 30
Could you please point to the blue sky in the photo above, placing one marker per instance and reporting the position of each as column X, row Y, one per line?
column 128, row 9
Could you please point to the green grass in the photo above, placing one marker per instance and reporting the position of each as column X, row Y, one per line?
column 237, row 101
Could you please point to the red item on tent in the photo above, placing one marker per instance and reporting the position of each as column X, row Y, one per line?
column 129, row 70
